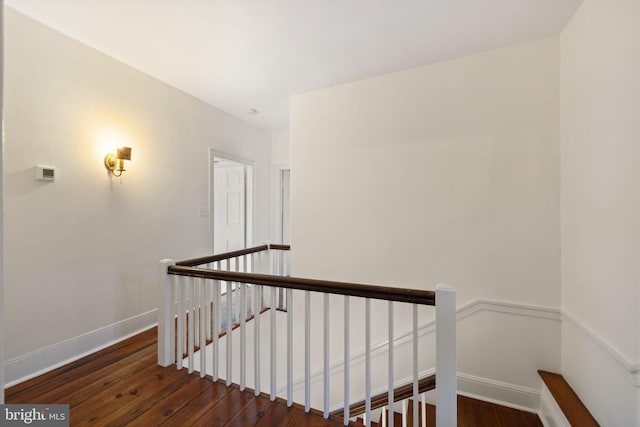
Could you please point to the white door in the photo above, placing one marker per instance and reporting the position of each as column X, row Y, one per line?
column 229, row 206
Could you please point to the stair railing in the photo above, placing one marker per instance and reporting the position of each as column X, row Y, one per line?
column 190, row 316
column 402, row 394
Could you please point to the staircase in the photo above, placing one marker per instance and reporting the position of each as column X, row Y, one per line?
column 402, row 395
column 199, row 299
column 560, row 405
column 405, row 418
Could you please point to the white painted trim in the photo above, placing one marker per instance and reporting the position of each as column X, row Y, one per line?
column 526, row 310
column 276, row 191
column 629, row 369
column 46, row 359
column 505, row 394
column 2, row 319
column 550, row 413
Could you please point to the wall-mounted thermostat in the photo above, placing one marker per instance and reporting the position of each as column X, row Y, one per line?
column 45, row 173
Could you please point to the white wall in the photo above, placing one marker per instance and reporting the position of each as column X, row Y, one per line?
column 2, row 323
column 81, row 253
column 280, row 160
column 280, row 149
column 444, row 173
column 601, row 207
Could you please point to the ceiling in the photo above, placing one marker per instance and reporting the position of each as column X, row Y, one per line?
column 253, row 54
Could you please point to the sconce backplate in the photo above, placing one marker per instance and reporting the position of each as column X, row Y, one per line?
column 110, row 161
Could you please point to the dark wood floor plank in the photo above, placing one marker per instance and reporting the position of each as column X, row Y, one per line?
column 86, row 386
column 252, row 412
column 123, row 400
column 171, row 403
column 431, row 415
column 509, row 417
column 196, row 408
column 278, row 415
column 225, row 409
column 29, row 390
column 475, row 413
column 302, row 419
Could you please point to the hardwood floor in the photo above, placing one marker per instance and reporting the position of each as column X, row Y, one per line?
column 122, row 385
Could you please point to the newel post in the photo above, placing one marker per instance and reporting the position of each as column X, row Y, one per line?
column 166, row 316
column 446, row 365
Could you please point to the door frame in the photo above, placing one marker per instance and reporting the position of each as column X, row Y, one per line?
column 277, row 172
column 249, row 182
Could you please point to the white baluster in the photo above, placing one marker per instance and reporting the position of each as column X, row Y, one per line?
column 288, row 265
column 307, row 351
column 391, row 380
column 203, row 329
column 383, row 416
column 326, row 355
column 229, row 331
column 446, row 395
column 257, row 308
column 209, row 300
column 289, row 351
column 424, row 409
column 415, row 365
column 273, row 342
column 261, row 260
column 347, row 359
column 195, row 298
column 215, row 336
column 271, row 260
column 238, row 301
column 367, row 352
column 405, row 412
column 181, row 346
column 191, row 322
column 243, row 335
column 166, row 315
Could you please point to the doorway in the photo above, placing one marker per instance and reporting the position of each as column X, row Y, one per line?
column 231, row 202
column 285, row 198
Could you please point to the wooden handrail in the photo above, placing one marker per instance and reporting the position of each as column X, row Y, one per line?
column 228, row 255
column 280, row 247
column 382, row 399
column 413, row 296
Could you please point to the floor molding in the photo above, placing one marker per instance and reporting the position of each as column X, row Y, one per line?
column 498, row 392
column 38, row 362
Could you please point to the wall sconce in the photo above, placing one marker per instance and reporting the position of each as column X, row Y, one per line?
column 123, row 153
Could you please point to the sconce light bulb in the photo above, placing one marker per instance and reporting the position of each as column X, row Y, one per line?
column 115, row 163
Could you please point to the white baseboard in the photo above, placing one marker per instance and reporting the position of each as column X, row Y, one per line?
column 38, row 362
column 498, row 392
